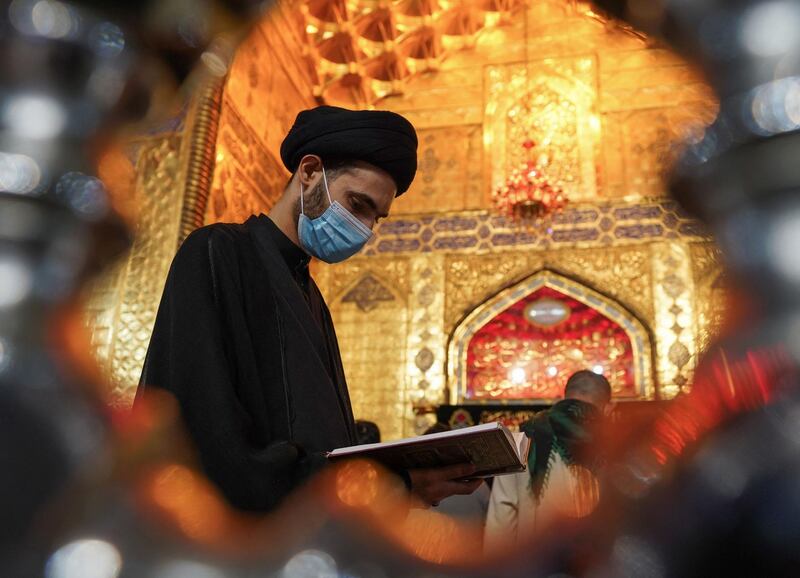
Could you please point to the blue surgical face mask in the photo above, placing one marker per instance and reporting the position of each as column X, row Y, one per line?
column 333, row 236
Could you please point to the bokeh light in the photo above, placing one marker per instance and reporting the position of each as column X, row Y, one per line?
column 770, row 28
column 86, row 195
column 783, row 241
column 16, row 279
column 85, row 558
column 47, row 18
column 357, row 483
column 190, row 502
column 775, row 107
column 310, row 564
column 34, row 116
column 186, row 569
column 107, row 39
column 19, row 174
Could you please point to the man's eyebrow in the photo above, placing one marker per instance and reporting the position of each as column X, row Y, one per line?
column 365, row 198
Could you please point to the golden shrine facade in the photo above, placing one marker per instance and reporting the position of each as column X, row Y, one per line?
column 424, row 314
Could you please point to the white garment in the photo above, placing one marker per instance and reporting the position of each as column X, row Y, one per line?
column 514, row 516
column 469, row 508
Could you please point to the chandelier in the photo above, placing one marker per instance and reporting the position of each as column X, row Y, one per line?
column 528, row 196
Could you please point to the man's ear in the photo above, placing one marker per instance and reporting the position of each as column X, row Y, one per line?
column 309, row 170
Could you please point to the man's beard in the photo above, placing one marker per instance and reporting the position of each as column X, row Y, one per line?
column 313, row 202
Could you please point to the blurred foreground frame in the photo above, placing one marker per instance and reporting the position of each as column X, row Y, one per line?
column 85, row 488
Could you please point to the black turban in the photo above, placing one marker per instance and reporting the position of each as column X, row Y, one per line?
column 379, row 137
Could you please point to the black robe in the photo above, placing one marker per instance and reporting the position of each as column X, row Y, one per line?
column 244, row 341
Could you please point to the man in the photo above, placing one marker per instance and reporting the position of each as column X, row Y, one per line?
column 367, row 432
column 562, row 464
column 243, row 338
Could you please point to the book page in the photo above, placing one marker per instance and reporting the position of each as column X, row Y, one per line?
column 522, row 443
column 454, row 433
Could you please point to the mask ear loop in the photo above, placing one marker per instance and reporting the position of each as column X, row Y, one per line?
column 302, row 194
column 325, row 181
column 327, row 192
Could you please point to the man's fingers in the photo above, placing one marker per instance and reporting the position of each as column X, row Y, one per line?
column 434, row 484
column 450, row 488
column 468, row 487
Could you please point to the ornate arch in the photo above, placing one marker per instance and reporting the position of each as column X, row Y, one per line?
column 459, row 341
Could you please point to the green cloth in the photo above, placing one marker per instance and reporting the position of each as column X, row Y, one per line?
column 566, row 428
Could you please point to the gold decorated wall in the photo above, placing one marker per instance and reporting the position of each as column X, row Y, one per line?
column 605, row 105
column 213, row 161
column 268, row 84
column 121, row 305
column 421, row 296
column 608, row 107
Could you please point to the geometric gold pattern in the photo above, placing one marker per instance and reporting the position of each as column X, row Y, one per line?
column 673, row 324
column 372, row 325
column 121, row 329
column 367, row 294
column 710, row 292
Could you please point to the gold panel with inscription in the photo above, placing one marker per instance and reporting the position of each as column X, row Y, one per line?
column 449, row 172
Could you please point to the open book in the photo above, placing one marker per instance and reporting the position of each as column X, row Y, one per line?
column 490, row 447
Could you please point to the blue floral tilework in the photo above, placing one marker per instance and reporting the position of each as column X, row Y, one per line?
column 580, row 225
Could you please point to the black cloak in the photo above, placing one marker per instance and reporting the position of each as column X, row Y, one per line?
column 244, row 341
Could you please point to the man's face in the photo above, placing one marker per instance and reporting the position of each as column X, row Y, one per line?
column 364, row 190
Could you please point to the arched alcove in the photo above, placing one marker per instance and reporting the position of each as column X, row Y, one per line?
column 521, row 344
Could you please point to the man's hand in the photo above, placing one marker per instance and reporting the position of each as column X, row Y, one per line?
column 435, row 484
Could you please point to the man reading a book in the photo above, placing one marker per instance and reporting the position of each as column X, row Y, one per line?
column 562, row 463
column 243, row 338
